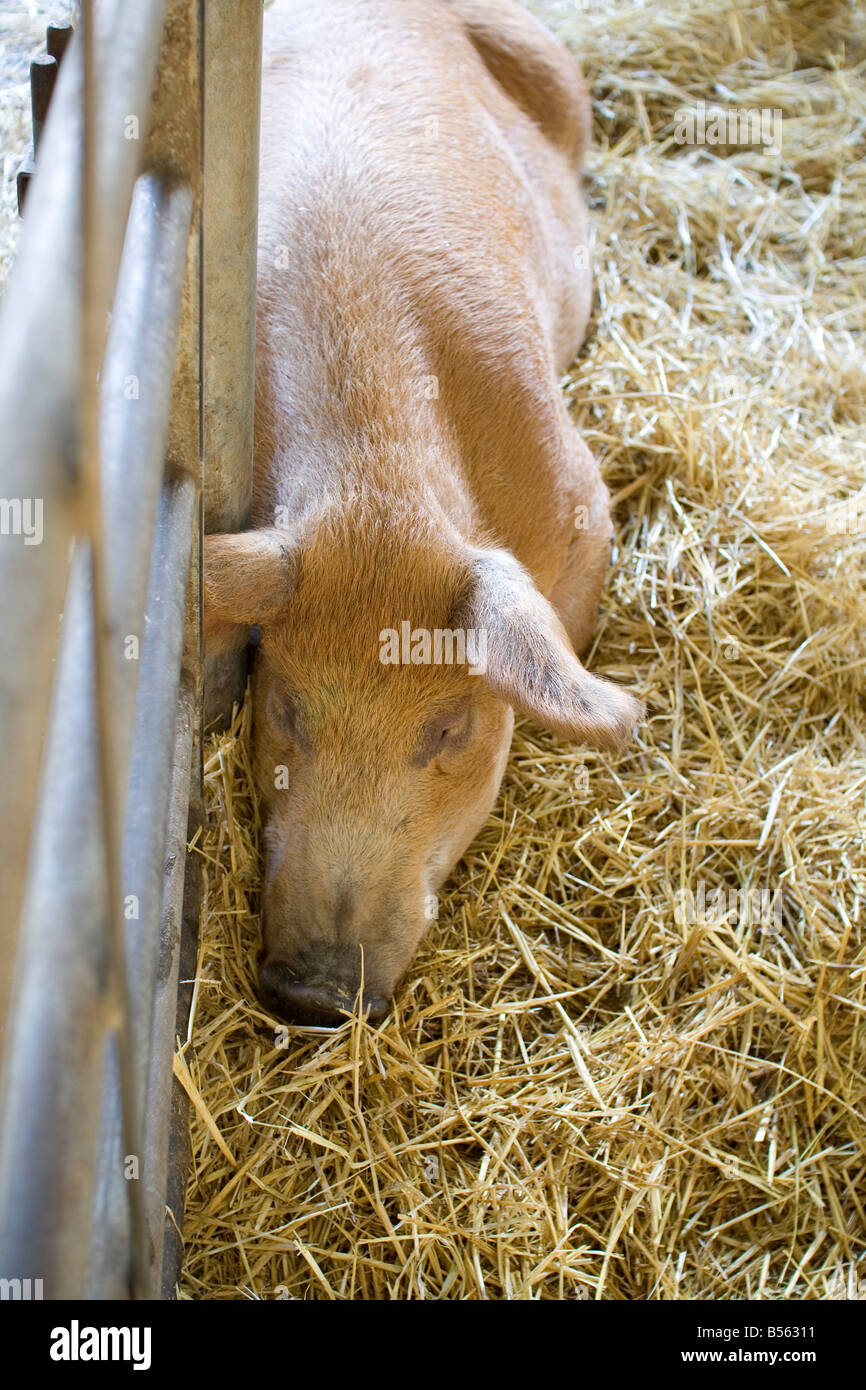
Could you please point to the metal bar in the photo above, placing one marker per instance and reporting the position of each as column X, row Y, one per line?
column 56, row 1035
column 178, row 882
column 175, row 990
column 26, row 170
column 43, row 74
column 144, row 856
column 112, row 788
column 174, row 151
column 136, row 402
column 233, row 45
column 182, row 110
column 39, row 337
column 169, row 1108
column 57, row 39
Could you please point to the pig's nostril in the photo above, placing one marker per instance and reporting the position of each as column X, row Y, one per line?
column 304, row 1004
column 375, row 1007
column 316, row 1005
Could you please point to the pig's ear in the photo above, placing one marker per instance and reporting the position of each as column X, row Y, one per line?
column 529, row 659
column 248, row 577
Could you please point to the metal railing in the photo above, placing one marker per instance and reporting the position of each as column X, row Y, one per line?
column 126, row 390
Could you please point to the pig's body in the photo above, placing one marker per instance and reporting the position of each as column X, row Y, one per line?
column 417, row 229
column 422, row 282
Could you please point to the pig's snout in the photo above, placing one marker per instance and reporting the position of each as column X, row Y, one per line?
column 319, row 999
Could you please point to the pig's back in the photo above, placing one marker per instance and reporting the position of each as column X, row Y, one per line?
column 416, row 260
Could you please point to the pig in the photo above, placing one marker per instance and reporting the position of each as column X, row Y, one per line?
column 429, row 532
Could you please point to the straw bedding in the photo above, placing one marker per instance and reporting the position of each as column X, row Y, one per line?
column 627, row 1062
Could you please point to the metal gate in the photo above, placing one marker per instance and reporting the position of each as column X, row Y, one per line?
column 126, row 389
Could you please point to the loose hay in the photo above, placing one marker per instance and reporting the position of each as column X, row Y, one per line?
column 601, row 1079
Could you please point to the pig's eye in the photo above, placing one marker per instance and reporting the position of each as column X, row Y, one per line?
column 446, row 732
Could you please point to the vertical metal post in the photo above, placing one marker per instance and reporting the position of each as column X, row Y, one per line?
column 43, row 74
column 178, row 936
column 175, row 155
column 233, row 49
column 232, row 83
column 109, row 761
column 57, row 39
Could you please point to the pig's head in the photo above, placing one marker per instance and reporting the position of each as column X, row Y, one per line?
column 377, row 760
